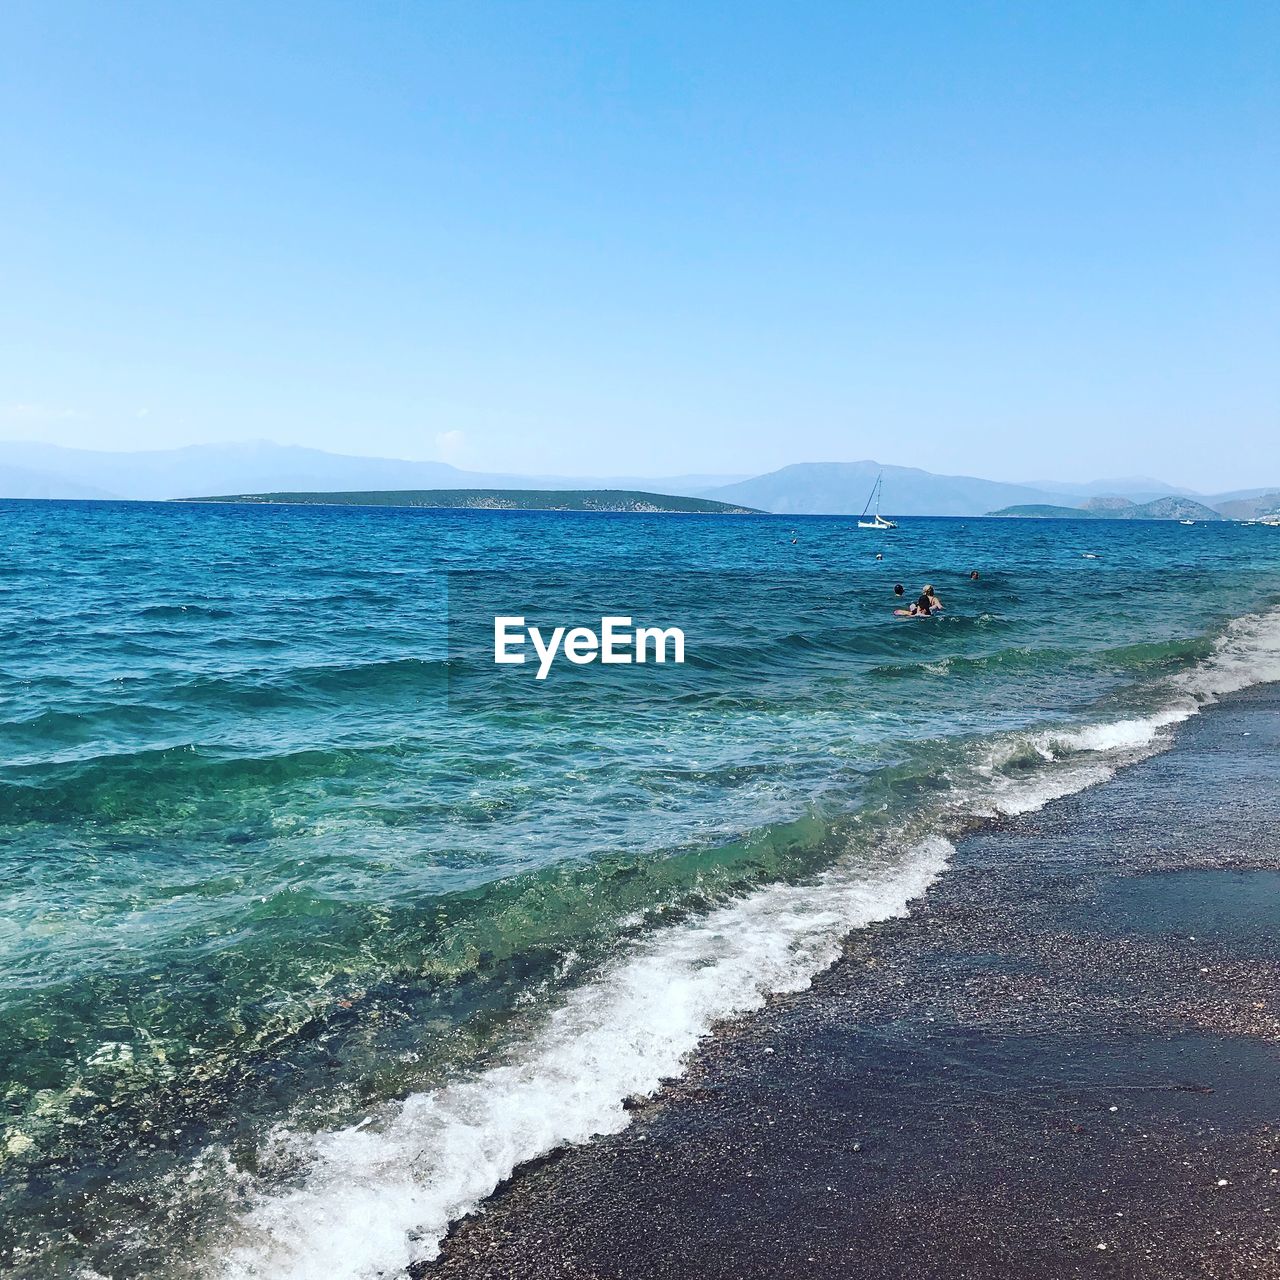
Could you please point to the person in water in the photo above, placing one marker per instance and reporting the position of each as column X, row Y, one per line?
column 927, row 605
column 973, row 576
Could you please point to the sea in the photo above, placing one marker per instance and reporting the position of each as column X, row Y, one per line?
column 317, row 923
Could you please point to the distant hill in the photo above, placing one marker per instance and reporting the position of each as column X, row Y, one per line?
column 1046, row 511
column 1250, row 508
column 22, row 482
column 1110, row 502
column 500, row 500
column 1113, row 508
column 1165, row 509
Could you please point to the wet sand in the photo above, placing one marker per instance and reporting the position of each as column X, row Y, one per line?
column 1065, row 1062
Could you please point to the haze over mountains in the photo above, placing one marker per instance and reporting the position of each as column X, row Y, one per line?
column 30, row 470
column 841, row 488
column 33, row 470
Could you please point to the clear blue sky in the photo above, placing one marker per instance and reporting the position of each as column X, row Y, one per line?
column 1021, row 240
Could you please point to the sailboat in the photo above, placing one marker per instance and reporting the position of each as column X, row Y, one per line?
column 878, row 521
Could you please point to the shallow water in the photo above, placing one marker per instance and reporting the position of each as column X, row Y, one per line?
column 316, row 923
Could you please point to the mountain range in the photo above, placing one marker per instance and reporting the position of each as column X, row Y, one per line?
column 841, row 488
column 34, row 470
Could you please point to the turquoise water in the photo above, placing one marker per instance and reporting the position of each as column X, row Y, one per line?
column 281, row 854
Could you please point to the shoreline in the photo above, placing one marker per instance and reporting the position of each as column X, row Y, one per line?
column 1063, row 1062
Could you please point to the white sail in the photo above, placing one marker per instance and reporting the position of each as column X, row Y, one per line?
column 877, row 521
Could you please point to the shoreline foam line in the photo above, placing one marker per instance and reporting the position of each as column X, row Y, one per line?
column 382, row 1194
column 1247, row 653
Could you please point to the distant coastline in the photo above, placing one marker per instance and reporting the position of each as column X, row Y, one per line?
column 601, row 500
column 261, row 471
column 1172, row 508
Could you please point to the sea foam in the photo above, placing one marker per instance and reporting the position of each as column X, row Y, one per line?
column 381, row 1194
column 1246, row 654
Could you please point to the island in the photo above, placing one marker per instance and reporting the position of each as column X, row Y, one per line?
column 627, row 500
column 1114, row 508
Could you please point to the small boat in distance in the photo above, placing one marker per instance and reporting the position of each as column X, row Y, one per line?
column 878, row 522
